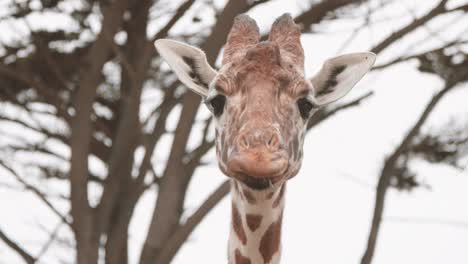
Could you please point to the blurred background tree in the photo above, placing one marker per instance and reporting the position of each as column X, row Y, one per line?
column 87, row 108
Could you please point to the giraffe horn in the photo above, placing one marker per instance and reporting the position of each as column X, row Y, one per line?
column 243, row 35
column 287, row 35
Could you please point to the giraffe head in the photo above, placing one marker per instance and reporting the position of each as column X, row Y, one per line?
column 260, row 99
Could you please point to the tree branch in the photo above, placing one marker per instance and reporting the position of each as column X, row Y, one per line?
column 415, row 56
column 36, row 191
column 178, row 14
column 87, row 241
column 317, row 12
column 53, row 236
column 324, row 114
column 437, row 10
column 388, row 170
column 183, row 232
column 14, row 246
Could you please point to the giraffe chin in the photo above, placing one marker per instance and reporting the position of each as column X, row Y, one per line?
column 259, row 183
column 262, row 183
column 258, row 170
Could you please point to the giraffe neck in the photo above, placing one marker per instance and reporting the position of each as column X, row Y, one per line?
column 255, row 236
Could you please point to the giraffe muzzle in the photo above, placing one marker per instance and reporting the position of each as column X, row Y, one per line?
column 259, row 164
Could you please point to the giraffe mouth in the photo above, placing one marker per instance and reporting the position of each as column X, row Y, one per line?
column 258, row 183
column 261, row 183
column 258, row 164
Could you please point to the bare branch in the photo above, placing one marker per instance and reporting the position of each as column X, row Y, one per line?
column 36, row 191
column 123, row 58
column 415, row 56
column 437, row 10
column 324, row 114
column 15, row 247
column 52, row 237
column 81, row 131
column 317, row 12
column 388, row 170
column 178, row 14
column 159, row 128
column 183, row 232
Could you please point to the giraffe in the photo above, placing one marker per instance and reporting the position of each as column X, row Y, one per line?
column 261, row 103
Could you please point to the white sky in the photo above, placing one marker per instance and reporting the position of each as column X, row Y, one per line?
column 329, row 204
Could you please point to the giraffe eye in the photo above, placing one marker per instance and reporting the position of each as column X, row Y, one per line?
column 305, row 107
column 216, row 104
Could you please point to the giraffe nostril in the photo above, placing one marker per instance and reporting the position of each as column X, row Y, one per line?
column 243, row 142
column 259, row 140
column 273, row 141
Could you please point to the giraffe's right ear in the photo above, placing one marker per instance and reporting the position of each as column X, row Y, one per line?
column 189, row 64
column 338, row 75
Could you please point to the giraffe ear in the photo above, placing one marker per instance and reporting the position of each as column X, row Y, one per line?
column 189, row 64
column 338, row 75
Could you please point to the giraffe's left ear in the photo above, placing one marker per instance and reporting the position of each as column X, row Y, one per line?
column 338, row 75
column 188, row 63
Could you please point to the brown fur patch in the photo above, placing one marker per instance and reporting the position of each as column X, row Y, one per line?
column 237, row 225
column 241, row 259
column 270, row 195
column 253, row 221
column 279, row 197
column 249, row 197
column 270, row 242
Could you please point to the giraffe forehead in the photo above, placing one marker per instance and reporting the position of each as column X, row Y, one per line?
column 261, row 64
column 254, row 78
column 264, row 53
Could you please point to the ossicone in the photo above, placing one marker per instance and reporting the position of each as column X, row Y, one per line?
column 244, row 34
